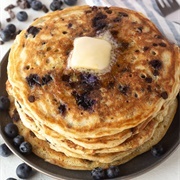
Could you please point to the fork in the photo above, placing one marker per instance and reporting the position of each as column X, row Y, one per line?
column 167, row 7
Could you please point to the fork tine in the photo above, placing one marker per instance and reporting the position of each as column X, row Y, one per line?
column 162, row 8
column 174, row 4
column 159, row 4
column 165, row 5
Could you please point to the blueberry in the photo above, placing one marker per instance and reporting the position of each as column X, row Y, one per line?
column 36, row 5
column 34, row 31
column 23, row 171
column 70, row 2
column 5, row 35
column 46, row 79
column 4, row 150
column 157, row 150
column 22, row 16
column 55, row 5
column 18, row 140
column 112, row 172
column 83, row 100
column 61, row 3
column 30, row 1
column 4, row 103
column 33, row 79
column 11, row 130
column 89, row 79
column 25, row 147
column 11, row 178
column 11, row 28
column 98, row 173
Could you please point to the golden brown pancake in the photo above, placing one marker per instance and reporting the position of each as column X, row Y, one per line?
column 98, row 118
column 42, row 149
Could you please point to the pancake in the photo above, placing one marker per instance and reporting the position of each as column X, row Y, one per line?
column 81, row 118
column 105, row 155
column 42, row 149
column 144, row 76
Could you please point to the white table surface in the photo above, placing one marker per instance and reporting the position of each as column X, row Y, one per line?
column 168, row 170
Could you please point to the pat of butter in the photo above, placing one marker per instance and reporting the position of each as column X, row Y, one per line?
column 90, row 53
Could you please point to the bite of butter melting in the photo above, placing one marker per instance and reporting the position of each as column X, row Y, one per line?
column 90, row 53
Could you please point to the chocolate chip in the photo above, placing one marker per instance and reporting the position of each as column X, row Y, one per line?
column 11, row 6
column 106, row 8
column 114, row 33
column 162, row 44
column 145, row 48
column 33, row 30
column 164, row 95
column 156, row 72
column 125, row 45
column 111, row 84
column 23, row 4
column 45, row 9
column 122, row 14
column 31, row 98
column 70, row 25
column 123, row 89
column 11, row 13
column 100, row 15
column 149, row 88
column 62, row 109
column 137, row 51
column 108, row 11
column 88, row 11
column 148, row 79
column 8, row 19
column 117, row 19
column 155, row 44
column 65, row 78
column 156, row 64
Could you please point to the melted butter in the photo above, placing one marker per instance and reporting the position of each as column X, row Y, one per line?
column 90, row 54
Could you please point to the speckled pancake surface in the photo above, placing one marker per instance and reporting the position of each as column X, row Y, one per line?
column 42, row 149
column 102, row 116
column 65, row 100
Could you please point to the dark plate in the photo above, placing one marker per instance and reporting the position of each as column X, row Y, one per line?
column 135, row 167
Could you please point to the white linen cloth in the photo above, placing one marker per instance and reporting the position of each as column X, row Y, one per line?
column 149, row 8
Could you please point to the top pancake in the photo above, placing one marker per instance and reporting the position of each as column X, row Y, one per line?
column 144, row 76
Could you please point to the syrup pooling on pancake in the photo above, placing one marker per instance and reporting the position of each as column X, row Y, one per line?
column 103, row 116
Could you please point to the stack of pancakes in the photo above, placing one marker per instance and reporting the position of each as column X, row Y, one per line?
column 80, row 119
